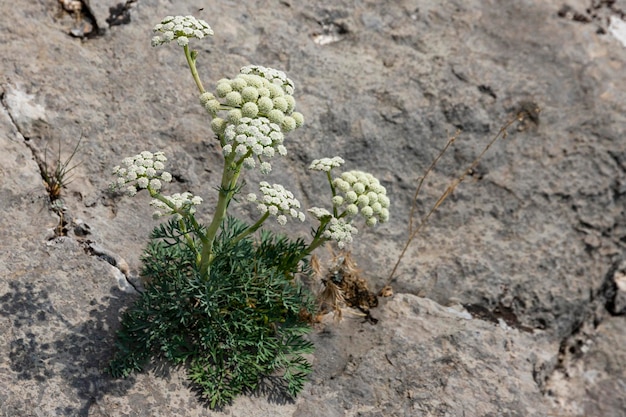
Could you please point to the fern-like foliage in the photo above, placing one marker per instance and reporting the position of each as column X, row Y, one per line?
column 230, row 331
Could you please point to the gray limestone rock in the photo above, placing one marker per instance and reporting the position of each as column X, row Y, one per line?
column 530, row 243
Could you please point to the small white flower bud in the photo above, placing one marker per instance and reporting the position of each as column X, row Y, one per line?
column 155, row 184
column 204, row 97
column 367, row 211
column 223, row 88
column 233, row 99
column 276, row 116
column 362, row 200
column 291, row 103
column 143, row 182
column 349, row 177
column 342, row 185
column 358, row 188
column 212, row 106
column 234, row 116
column 218, row 125
column 384, row 215
column 250, row 94
column 249, row 163
column 351, row 197
column 298, row 117
column 265, row 104
column 275, row 91
column 241, row 150
column 238, row 84
column 249, row 109
column 280, row 103
column 288, row 124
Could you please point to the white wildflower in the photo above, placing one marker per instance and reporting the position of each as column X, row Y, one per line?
column 142, row 171
column 340, row 231
column 319, row 213
column 278, row 202
column 181, row 29
column 326, row 164
column 177, row 204
column 362, row 193
column 253, row 136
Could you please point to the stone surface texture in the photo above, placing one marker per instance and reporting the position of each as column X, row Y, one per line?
column 511, row 302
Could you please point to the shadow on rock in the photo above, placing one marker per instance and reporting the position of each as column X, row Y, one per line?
column 77, row 358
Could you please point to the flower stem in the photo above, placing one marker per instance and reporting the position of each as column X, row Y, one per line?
column 197, row 229
column 250, row 229
column 191, row 61
column 318, row 239
column 230, row 176
column 332, row 189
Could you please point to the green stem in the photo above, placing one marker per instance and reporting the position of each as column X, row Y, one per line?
column 318, row 239
column 189, row 239
column 230, row 176
column 332, row 189
column 250, row 229
column 191, row 61
column 198, row 231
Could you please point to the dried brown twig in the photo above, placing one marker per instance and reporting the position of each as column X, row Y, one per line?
column 414, row 230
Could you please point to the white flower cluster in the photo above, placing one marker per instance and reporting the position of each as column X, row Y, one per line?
column 274, row 76
column 141, row 171
column 320, row 213
column 256, row 92
column 180, row 28
column 362, row 193
column 254, row 138
column 182, row 202
column 326, row 164
column 278, row 202
column 340, row 231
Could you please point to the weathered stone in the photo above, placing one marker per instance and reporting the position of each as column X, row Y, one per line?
column 527, row 242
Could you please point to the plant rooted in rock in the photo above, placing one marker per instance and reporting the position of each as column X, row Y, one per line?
column 224, row 299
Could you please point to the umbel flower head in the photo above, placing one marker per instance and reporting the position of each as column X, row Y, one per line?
column 278, row 202
column 255, row 92
column 181, row 29
column 361, row 193
column 144, row 170
column 326, row 164
column 252, row 139
column 178, row 202
column 340, row 231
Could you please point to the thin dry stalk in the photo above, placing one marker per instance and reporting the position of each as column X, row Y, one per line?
column 430, row 168
column 413, row 232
